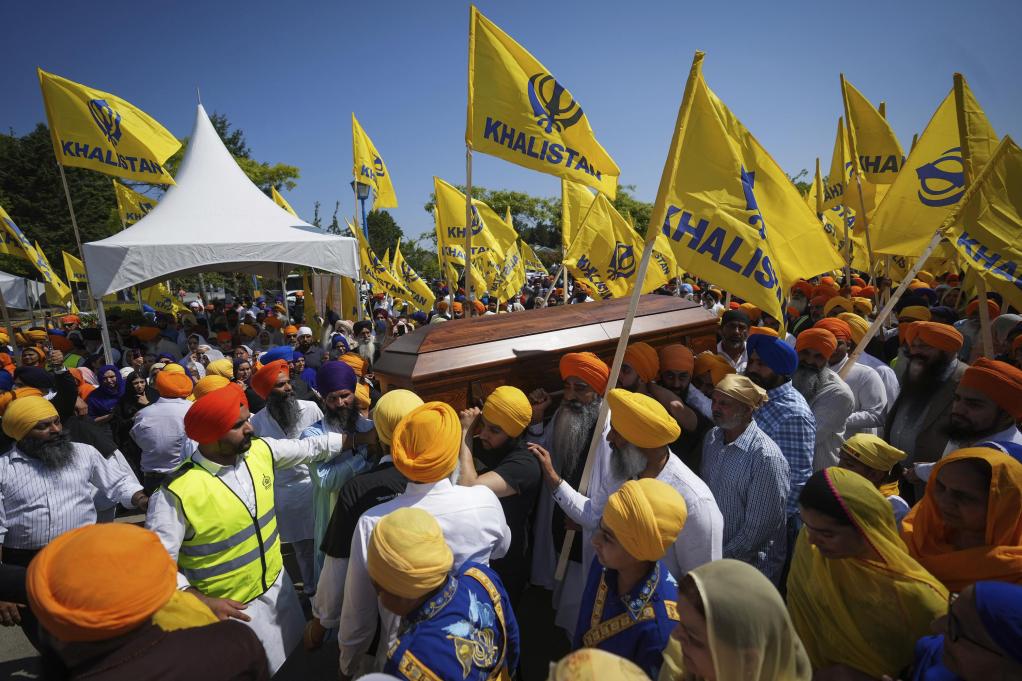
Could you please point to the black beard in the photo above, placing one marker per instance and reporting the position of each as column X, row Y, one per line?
column 762, row 381
column 284, row 410
column 55, row 453
column 969, row 434
column 344, row 419
column 922, row 387
column 807, row 380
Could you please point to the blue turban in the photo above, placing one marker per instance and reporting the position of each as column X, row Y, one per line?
column 419, row 316
column 285, row 352
column 1000, row 608
column 334, row 376
column 6, row 380
column 944, row 314
column 36, row 377
column 686, row 288
column 339, row 338
column 774, row 352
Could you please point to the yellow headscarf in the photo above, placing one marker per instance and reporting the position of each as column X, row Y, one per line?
column 509, row 409
column 23, row 415
column 426, row 443
column 407, row 554
column 873, row 451
column 641, row 420
column 390, row 409
column 866, row 614
column 750, row 634
column 645, row 516
column 593, row 664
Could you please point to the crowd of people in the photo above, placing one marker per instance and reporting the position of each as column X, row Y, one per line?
column 759, row 511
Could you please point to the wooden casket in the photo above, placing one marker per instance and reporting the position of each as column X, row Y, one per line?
column 461, row 361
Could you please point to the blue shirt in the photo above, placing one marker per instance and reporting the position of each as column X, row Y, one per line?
column 929, row 662
column 328, row 478
column 787, row 420
column 466, row 631
column 635, row 625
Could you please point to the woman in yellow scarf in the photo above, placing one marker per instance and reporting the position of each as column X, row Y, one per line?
column 967, row 528
column 733, row 627
column 856, row 597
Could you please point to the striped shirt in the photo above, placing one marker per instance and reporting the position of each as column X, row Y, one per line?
column 749, row 480
column 787, row 420
column 37, row 503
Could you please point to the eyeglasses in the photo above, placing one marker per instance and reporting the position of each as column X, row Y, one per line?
column 954, row 629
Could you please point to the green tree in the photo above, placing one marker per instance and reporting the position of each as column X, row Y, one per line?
column 383, row 231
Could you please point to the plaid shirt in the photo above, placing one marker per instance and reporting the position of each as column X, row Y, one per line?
column 787, row 420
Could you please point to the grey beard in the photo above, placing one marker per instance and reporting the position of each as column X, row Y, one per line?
column 807, row 381
column 366, row 350
column 626, row 461
column 285, row 411
column 572, row 429
column 55, row 453
column 343, row 420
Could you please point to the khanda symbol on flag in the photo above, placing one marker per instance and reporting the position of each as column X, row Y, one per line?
column 108, row 120
column 942, row 181
column 546, row 96
column 622, row 263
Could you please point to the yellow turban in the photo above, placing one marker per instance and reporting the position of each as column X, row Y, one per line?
column 208, row 384
column 714, row 363
column 221, row 367
column 916, row 313
column 390, row 409
column 593, row 664
column 873, row 451
column 37, row 336
column 641, row 420
column 742, row 389
column 837, row 301
column 755, row 314
column 426, row 443
column 862, row 305
column 857, row 324
column 23, row 415
column 645, row 516
column 407, row 554
column 100, row 581
column 362, row 396
column 173, row 368
column 926, row 277
column 509, row 409
column 248, row 331
column 643, row 359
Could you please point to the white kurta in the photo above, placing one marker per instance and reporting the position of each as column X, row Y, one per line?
column 276, row 615
column 887, row 376
column 870, row 399
column 292, row 487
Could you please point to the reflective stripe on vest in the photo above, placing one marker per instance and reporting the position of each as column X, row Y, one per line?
column 232, row 553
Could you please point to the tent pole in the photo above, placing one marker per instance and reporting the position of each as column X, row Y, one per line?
column 104, row 330
column 7, row 318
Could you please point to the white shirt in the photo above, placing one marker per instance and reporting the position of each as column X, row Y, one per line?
column 870, row 399
column 37, row 504
column 159, row 431
column 887, row 377
column 276, row 615
column 473, row 524
column 700, row 541
column 695, row 399
column 831, row 406
column 740, row 363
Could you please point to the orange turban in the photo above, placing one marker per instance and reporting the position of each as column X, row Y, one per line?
column 820, row 340
column 999, row 381
column 586, row 367
column 678, row 358
column 904, row 332
column 207, row 384
column 479, row 307
column 803, row 287
column 214, row 415
column 362, row 396
column 273, row 322
column 173, row 385
column 426, row 442
column 765, row 330
column 146, row 334
column 838, row 327
column 70, row 319
column 936, row 335
column 992, row 307
column 714, row 363
column 60, row 342
column 643, row 359
column 100, row 581
column 355, row 361
column 457, row 307
column 264, row 379
column 290, row 330
column 754, row 312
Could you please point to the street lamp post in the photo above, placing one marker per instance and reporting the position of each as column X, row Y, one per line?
column 362, row 193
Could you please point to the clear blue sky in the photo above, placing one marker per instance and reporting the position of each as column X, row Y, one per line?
column 290, row 74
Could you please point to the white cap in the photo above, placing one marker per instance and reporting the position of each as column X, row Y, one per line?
column 304, row 331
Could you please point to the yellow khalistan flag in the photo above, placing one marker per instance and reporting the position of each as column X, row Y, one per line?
column 934, row 178
column 420, row 295
column 840, row 174
column 532, row 261
column 131, row 205
column 74, row 269
column 369, row 167
column 17, row 244
column 733, row 217
column 159, row 297
column 878, row 153
column 100, row 131
column 374, row 271
column 489, row 231
column 281, row 201
column 988, row 234
column 511, row 277
column 310, row 308
column 605, row 254
column 56, row 289
column 517, row 111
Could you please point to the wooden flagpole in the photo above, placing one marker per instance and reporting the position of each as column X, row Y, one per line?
column 469, row 279
column 564, row 269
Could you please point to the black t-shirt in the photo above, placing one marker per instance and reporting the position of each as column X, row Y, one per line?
column 689, row 445
column 361, row 493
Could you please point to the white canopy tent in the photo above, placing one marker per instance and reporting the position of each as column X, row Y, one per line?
column 20, row 293
column 212, row 219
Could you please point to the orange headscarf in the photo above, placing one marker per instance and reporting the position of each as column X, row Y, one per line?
column 587, row 367
column 1000, row 559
